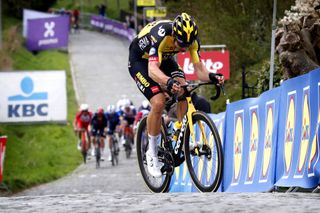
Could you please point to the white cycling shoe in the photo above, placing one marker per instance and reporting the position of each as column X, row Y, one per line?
column 153, row 165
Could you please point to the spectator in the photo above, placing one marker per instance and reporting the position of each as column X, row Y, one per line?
column 102, row 10
column 76, row 15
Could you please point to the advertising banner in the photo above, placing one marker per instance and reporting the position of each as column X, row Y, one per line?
column 215, row 61
column 3, row 141
column 298, row 130
column 142, row 3
column 33, row 96
column 31, row 14
column 46, row 33
column 250, row 145
column 156, row 12
column 112, row 26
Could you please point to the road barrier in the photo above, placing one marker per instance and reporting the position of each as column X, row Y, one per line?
column 271, row 140
column 3, row 141
column 112, row 26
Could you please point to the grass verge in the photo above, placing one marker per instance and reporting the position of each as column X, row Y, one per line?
column 39, row 153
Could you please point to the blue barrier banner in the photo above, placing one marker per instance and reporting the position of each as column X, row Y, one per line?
column 249, row 147
column 181, row 180
column 314, row 157
column 297, row 141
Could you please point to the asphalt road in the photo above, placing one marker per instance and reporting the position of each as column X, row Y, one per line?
column 99, row 64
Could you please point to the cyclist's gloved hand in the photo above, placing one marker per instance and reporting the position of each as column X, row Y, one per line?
column 216, row 78
column 173, row 85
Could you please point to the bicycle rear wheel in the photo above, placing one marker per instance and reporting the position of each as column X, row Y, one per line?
column 98, row 153
column 156, row 185
column 204, row 161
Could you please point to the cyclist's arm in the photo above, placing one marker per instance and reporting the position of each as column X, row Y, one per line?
column 156, row 74
column 201, row 71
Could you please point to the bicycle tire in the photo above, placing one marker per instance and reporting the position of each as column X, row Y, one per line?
column 141, row 146
column 98, row 154
column 84, row 148
column 206, row 184
column 114, row 152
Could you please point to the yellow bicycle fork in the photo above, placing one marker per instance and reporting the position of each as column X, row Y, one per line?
column 190, row 111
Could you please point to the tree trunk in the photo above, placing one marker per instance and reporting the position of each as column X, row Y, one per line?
column 298, row 42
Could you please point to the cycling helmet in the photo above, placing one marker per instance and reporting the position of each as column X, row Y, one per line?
column 111, row 109
column 145, row 104
column 84, row 107
column 100, row 111
column 185, row 29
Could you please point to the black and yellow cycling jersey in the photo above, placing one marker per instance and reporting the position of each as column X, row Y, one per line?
column 155, row 42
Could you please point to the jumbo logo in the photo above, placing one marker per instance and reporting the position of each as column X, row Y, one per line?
column 267, row 141
column 305, row 131
column 253, row 146
column 289, row 132
column 237, row 146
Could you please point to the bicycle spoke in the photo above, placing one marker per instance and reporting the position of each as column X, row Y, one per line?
column 204, row 159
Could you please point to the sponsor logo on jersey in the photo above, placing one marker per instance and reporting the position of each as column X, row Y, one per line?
column 152, row 51
column 161, row 31
column 153, row 58
column 141, row 82
column 143, row 42
column 155, row 89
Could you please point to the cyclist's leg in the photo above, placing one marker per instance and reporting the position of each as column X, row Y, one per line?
column 109, row 139
column 102, row 138
column 153, row 92
column 93, row 138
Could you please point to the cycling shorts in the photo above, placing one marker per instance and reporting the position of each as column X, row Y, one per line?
column 139, row 72
column 110, row 131
column 98, row 132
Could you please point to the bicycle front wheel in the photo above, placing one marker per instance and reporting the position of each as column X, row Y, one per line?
column 156, row 185
column 204, row 156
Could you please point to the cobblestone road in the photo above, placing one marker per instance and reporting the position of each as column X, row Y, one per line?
column 99, row 63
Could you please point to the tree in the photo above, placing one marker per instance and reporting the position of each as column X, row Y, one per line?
column 15, row 7
column 298, row 38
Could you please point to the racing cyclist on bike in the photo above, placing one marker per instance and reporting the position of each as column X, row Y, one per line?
column 82, row 121
column 98, row 127
column 152, row 66
column 113, row 121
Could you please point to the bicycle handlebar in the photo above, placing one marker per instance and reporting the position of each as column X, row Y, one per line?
column 189, row 88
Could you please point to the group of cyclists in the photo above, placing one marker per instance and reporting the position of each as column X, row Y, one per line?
column 117, row 120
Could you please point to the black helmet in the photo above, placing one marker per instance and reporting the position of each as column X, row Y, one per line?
column 185, row 29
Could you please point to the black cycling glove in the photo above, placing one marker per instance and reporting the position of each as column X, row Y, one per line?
column 170, row 83
column 213, row 78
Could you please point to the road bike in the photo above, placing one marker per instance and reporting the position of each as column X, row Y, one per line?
column 114, row 150
column 97, row 150
column 84, row 143
column 128, row 137
column 202, row 148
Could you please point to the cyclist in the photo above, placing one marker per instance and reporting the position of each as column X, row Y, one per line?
column 127, row 121
column 98, row 127
column 82, row 121
column 152, row 66
column 113, row 122
column 143, row 110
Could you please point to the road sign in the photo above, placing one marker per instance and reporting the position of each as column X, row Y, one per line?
column 142, row 3
column 156, row 12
